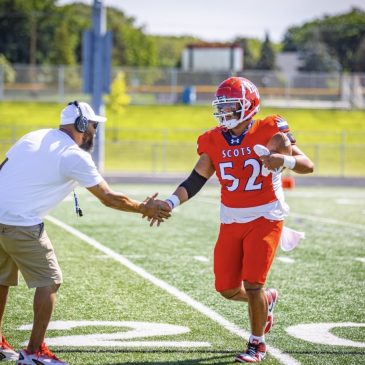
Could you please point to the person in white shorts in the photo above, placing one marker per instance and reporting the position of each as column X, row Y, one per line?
column 39, row 171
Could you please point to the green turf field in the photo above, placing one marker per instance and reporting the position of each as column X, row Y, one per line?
column 163, row 138
column 143, row 278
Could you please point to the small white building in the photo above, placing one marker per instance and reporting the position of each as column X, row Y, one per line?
column 212, row 57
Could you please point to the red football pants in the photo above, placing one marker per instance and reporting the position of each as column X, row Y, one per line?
column 245, row 252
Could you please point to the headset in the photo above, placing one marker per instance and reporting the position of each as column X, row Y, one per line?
column 81, row 122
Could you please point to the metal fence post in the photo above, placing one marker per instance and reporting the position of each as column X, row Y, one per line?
column 164, row 150
column 154, row 157
column 343, row 153
column 288, row 86
column 173, row 85
column 317, row 156
column 61, row 83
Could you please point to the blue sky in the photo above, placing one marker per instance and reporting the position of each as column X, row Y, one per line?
column 217, row 20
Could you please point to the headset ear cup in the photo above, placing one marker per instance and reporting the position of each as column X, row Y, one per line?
column 81, row 124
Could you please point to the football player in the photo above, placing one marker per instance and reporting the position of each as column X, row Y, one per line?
column 252, row 202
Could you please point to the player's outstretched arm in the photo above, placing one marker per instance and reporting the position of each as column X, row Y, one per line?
column 202, row 171
column 149, row 207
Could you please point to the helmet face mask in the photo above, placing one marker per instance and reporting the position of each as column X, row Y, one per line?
column 237, row 100
column 227, row 113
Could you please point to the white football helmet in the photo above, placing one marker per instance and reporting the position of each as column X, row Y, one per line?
column 237, row 99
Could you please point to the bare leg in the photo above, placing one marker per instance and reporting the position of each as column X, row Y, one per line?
column 257, row 307
column 4, row 290
column 238, row 294
column 43, row 305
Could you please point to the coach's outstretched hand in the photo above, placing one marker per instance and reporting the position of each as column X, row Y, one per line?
column 155, row 210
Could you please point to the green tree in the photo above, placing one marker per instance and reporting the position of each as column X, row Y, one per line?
column 117, row 101
column 169, row 49
column 9, row 72
column 77, row 19
column 131, row 47
column 27, row 29
column 267, row 56
column 316, row 57
column 14, row 30
column 251, row 51
column 342, row 34
column 65, row 50
column 360, row 57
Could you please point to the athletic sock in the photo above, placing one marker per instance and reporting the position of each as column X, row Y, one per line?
column 256, row 339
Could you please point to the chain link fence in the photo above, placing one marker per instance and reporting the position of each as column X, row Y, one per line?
column 337, row 154
column 334, row 153
column 171, row 86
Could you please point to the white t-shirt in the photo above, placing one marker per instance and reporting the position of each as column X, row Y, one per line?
column 43, row 167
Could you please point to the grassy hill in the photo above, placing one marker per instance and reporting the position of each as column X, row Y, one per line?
column 30, row 115
column 162, row 133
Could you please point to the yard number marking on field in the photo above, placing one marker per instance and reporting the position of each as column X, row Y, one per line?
column 118, row 339
column 320, row 333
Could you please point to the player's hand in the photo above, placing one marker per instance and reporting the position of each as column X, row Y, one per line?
column 273, row 161
column 155, row 210
column 164, row 206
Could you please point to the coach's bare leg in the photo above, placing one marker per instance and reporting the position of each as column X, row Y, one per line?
column 238, row 294
column 4, row 290
column 43, row 305
column 257, row 307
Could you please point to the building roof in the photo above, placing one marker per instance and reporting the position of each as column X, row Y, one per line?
column 213, row 45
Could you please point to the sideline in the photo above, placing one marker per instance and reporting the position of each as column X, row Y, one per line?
column 231, row 327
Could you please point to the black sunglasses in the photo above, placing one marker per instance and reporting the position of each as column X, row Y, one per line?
column 95, row 124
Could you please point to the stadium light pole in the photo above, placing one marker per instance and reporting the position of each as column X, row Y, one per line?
column 98, row 30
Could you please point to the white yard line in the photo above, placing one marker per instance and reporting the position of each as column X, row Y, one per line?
column 285, row 260
column 345, row 201
column 231, row 327
column 201, row 258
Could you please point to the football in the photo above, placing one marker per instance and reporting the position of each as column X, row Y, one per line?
column 280, row 143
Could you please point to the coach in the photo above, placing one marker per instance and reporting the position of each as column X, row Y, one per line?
column 39, row 171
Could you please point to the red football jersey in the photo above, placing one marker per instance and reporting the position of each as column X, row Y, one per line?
column 237, row 166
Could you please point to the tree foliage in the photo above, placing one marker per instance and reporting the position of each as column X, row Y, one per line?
column 251, row 51
column 131, row 47
column 56, row 32
column 267, row 55
column 118, row 99
column 316, row 57
column 360, row 57
column 43, row 32
column 342, row 35
column 169, row 49
column 8, row 73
